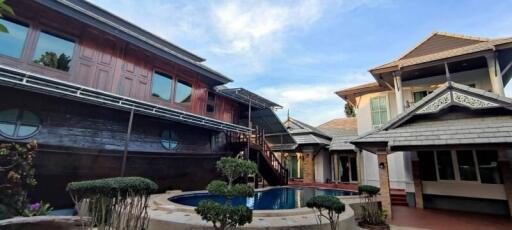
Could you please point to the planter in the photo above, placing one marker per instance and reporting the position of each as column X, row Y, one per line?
column 374, row 227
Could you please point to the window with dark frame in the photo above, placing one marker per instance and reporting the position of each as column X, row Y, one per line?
column 488, row 166
column 427, row 166
column 169, row 139
column 445, row 165
column 210, row 102
column 161, row 85
column 466, row 164
column 12, row 42
column 18, row 124
column 54, row 51
column 417, row 96
column 471, row 165
column 183, row 92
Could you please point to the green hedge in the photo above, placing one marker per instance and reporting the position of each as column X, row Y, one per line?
column 113, row 187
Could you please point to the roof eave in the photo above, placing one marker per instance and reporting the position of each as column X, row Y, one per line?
column 72, row 10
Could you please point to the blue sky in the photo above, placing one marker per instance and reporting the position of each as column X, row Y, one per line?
column 297, row 53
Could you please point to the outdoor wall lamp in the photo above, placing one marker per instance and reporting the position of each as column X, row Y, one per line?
column 382, row 165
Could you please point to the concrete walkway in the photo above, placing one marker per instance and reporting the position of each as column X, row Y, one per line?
column 412, row 218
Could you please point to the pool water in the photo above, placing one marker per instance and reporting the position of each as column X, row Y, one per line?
column 269, row 199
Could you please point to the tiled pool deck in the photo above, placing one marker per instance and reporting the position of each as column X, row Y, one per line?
column 406, row 217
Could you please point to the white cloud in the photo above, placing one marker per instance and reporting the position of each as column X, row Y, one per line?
column 253, row 32
column 314, row 103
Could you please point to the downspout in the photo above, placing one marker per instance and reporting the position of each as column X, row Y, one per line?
column 128, row 134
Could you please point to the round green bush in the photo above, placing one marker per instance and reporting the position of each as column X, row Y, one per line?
column 370, row 190
column 329, row 203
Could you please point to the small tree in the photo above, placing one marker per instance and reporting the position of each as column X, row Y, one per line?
column 331, row 204
column 349, row 110
column 225, row 215
column 16, row 177
column 371, row 213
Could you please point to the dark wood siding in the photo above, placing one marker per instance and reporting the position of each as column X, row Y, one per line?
column 79, row 141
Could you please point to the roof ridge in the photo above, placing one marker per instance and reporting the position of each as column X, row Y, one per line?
column 434, row 33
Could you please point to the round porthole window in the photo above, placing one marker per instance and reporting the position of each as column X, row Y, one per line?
column 169, row 139
column 18, row 124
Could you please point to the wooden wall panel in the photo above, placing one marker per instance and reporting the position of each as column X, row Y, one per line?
column 109, row 63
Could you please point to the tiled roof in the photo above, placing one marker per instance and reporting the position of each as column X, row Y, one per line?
column 486, row 129
column 310, row 139
column 495, row 129
column 342, row 131
column 441, row 49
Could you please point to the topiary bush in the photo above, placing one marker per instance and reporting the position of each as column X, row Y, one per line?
column 225, row 215
column 331, row 204
column 371, row 213
column 114, row 203
column 369, row 190
column 16, row 177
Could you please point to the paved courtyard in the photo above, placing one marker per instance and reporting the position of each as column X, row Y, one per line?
column 406, row 217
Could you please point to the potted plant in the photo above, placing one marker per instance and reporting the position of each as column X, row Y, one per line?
column 373, row 217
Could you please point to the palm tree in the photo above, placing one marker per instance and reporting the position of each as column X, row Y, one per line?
column 5, row 10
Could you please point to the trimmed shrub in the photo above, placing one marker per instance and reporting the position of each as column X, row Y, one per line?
column 114, row 203
column 225, row 215
column 371, row 213
column 331, row 204
column 369, row 190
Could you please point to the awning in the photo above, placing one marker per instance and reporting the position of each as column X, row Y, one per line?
column 275, row 133
column 244, row 96
column 20, row 79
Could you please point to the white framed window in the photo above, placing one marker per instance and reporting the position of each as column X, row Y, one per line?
column 461, row 165
column 418, row 95
column 379, row 110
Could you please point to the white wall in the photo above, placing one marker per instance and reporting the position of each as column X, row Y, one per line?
column 322, row 166
column 400, row 170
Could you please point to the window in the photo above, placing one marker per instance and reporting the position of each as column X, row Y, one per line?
column 488, row 166
column 169, row 139
column 18, row 124
column 183, row 92
column 210, row 103
column 472, row 165
column 161, row 86
column 11, row 43
column 466, row 163
column 417, row 96
column 53, row 51
column 216, row 141
column 427, row 166
column 379, row 111
column 445, row 165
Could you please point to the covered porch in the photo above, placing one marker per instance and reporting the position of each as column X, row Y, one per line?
column 459, row 139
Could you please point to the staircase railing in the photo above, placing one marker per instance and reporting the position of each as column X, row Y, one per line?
column 257, row 138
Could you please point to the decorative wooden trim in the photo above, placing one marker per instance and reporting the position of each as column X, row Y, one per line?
column 436, row 105
column 472, row 102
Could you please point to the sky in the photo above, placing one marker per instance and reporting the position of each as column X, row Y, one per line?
column 298, row 53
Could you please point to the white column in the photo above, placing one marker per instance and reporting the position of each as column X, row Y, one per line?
column 397, row 80
column 495, row 74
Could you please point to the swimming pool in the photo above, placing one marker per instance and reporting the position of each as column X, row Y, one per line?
column 268, row 199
